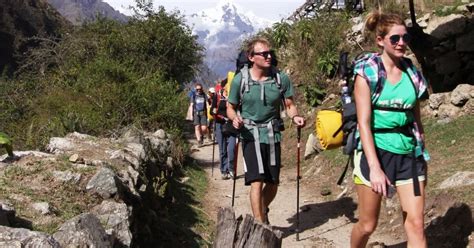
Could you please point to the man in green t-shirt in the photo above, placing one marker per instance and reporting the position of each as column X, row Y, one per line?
column 260, row 124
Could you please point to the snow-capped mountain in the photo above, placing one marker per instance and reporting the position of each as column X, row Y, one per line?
column 221, row 30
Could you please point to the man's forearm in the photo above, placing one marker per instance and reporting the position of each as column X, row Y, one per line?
column 231, row 113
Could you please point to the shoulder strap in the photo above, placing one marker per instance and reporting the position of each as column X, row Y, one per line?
column 244, row 80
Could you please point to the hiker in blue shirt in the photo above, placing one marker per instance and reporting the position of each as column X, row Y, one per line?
column 199, row 106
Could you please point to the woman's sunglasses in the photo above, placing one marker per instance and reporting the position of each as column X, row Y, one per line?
column 394, row 39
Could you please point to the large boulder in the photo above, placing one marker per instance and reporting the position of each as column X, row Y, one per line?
column 20, row 237
column 461, row 94
column 465, row 42
column 437, row 99
column 448, row 63
column 448, row 111
column 84, row 230
column 115, row 218
column 442, row 27
column 104, row 183
column 460, row 179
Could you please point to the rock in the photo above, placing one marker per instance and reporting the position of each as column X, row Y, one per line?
column 358, row 28
column 20, row 237
column 161, row 134
column 98, row 163
column 468, row 108
column 42, row 207
column 169, row 163
column 444, row 121
column 448, row 63
column 325, row 192
column 184, row 179
column 67, row 176
column 437, row 99
column 465, row 7
column 115, row 218
column 461, row 94
column 464, row 43
column 79, row 136
column 461, row 178
column 103, row 183
column 73, row 158
column 312, row 146
column 442, row 27
column 7, row 213
column 134, row 153
column 448, row 110
column 132, row 135
column 4, row 218
column 59, row 145
column 84, row 230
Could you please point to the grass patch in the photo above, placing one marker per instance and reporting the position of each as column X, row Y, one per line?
column 195, row 225
column 451, row 151
column 32, row 182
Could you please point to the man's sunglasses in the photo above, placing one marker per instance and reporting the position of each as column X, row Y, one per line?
column 394, row 39
column 264, row 54
column 199, row 89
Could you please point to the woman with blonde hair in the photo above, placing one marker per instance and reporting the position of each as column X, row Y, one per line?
column 391, row 156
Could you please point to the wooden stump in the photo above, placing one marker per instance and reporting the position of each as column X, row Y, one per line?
column 235, row 233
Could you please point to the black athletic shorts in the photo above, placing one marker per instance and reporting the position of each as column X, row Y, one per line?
column 271, row 173
column 397, row 167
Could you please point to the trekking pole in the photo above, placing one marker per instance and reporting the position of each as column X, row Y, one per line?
column 213, row 145
column 298, row 177
column 236, row 152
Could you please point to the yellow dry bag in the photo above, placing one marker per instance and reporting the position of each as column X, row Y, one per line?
column 327, row 123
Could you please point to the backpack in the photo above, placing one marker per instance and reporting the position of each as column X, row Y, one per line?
column 220, row 101
column 349, row 139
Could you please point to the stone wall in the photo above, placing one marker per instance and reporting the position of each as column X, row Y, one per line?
column 118, row 185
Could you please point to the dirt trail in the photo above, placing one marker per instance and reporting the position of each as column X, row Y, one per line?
column 322, row 224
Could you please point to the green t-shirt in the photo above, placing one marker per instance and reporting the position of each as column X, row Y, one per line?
column 401, row 95
column 255, row 109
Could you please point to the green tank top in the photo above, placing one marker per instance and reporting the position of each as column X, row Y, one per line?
column 401, row 95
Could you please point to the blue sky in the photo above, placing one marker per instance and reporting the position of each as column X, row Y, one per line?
column 268, row 9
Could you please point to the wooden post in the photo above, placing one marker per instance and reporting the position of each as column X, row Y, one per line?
column 238, row 233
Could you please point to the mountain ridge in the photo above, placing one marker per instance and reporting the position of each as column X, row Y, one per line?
column 221, row 31
column 79, row 11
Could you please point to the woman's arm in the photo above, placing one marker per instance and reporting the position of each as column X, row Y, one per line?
column 363, row 100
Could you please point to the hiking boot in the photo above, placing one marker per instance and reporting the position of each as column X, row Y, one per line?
column 267, row 222
column 225, row 176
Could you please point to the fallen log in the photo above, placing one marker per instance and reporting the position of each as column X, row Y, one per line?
column 241, row 233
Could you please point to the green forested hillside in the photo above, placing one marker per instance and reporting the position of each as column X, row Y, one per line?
column 101, row 77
